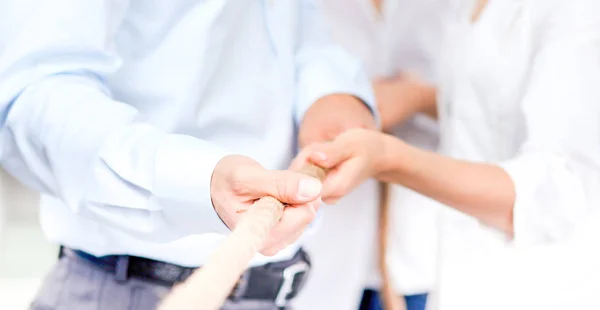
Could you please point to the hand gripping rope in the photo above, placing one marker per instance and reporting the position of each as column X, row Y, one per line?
column 208, row 287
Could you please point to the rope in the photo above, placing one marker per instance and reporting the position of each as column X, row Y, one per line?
column 389, row 297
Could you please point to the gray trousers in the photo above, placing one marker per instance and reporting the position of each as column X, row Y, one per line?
column 75, row 284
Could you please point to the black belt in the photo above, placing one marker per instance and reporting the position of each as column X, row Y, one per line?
column 278, row 282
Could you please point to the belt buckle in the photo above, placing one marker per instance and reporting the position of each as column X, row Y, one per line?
column 289, row 274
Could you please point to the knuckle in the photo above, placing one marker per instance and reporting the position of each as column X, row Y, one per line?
column 239, row 188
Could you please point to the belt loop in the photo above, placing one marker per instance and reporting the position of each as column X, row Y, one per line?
column 122, row 268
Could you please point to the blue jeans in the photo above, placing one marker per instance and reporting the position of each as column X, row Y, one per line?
column 371, row 301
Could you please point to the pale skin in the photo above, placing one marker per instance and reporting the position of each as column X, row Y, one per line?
column 238, row 181
column 481, row 190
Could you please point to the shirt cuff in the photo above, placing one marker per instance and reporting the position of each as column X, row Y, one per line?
column 525, row 172
column 184, row 168
column 336, row 75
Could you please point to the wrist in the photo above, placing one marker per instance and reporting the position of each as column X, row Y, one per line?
column 411, row 97
column 386, row 156
column 397, row 160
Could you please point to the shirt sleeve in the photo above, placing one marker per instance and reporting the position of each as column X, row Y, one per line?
column 64, row 135
column 557, row 172
column 325, row 68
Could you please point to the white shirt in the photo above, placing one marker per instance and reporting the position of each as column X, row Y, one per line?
column 118, row 111
column 520, row 89
column 404, row 38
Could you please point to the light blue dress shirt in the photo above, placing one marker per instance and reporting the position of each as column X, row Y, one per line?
column 118, row 111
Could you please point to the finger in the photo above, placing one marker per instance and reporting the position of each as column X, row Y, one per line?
column 294, row 220
column 303, row 156
column 343, row 180
column 330, row 155
column 287, row 186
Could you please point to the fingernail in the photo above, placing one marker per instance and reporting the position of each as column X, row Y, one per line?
column 320, row 156
column 309, row 188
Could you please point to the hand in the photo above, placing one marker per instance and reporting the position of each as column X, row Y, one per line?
column 353, row 157
column 238, row 182
column 399, row 98
column 332, row 115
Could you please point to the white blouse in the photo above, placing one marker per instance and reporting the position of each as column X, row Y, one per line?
column 520, row 88
column 405, row 37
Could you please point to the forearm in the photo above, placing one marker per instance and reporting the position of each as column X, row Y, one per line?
column 418, row 98
column 481, row 190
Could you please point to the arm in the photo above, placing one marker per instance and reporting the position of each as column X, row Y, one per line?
column 400, row 98
column 357, row 155
column 64, row 135
column 463, row 185
column 333, row 91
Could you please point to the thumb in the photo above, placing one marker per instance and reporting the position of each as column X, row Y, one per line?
column 291, row 187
